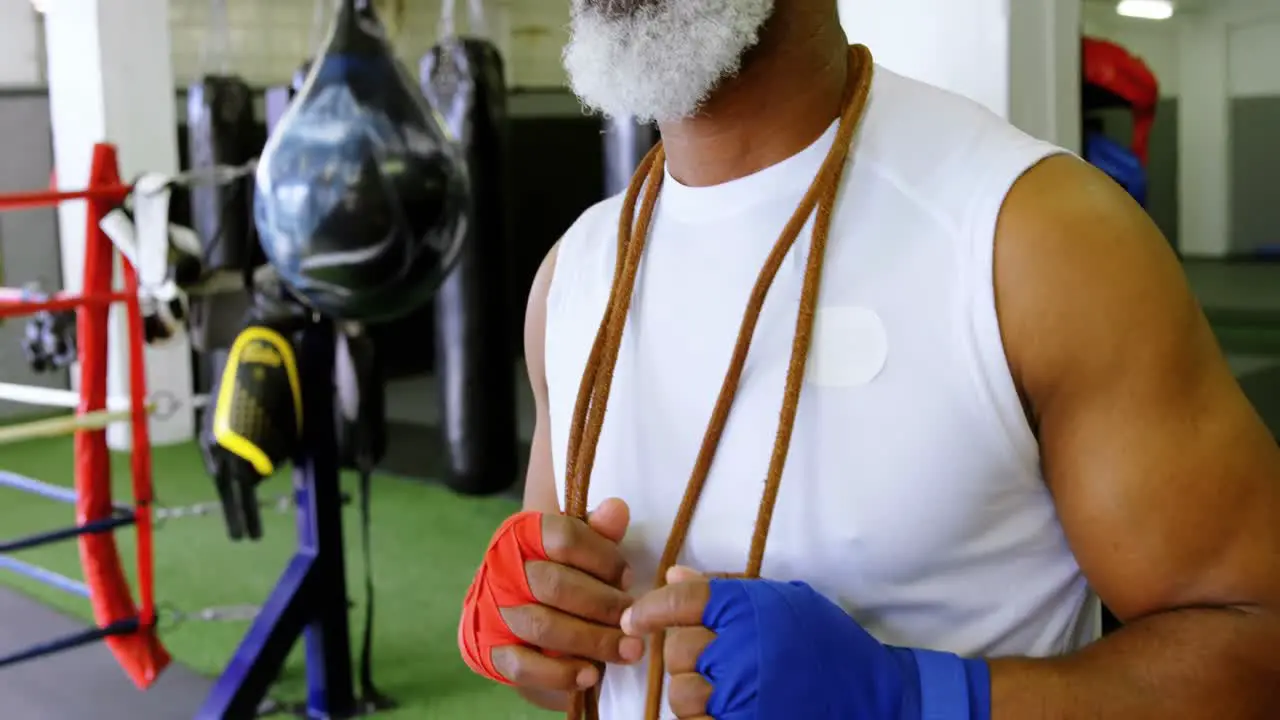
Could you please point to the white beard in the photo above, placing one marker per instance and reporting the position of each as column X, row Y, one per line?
column 662, row 62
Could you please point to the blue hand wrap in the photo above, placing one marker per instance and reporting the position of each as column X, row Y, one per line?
column 782, row 650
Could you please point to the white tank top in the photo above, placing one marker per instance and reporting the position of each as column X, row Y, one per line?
column 912, row 494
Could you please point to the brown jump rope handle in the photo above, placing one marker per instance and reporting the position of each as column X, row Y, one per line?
column 593, row 393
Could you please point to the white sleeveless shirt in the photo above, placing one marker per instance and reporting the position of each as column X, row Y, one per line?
column 912, row 494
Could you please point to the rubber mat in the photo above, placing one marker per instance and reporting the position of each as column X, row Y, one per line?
column 1262, row 386
column 82, row 683
column 1241, row 286
column 1242, row 302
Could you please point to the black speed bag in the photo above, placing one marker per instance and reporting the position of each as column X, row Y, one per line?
column 361, row 194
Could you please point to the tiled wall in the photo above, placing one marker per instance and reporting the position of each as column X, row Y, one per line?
column 268, row 38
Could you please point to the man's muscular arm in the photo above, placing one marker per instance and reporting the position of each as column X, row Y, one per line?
column 1166, row 480
column 539, row 482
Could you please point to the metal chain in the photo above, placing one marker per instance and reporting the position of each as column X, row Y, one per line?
column 164, row 404
column 162, row 513
column 226, row 613
column 216, row 175
column 169, row 617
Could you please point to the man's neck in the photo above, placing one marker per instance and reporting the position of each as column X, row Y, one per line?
column 788, row 93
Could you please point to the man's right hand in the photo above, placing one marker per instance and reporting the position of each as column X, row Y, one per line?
column 581, row 594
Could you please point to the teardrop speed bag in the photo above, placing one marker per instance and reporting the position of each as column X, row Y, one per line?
column 361, row 195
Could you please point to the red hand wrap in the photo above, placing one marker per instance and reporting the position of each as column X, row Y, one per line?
column 500, row 583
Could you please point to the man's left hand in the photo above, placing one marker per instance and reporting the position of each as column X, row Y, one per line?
column 752, row 649
column 678, row 608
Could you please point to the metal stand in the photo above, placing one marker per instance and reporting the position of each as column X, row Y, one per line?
column 311, row 596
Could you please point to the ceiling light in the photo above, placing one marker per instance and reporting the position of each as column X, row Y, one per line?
column 1146, row 9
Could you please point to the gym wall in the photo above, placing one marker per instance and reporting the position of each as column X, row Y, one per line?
column 269, row 38
column 1255, row 135
column 1253, row 114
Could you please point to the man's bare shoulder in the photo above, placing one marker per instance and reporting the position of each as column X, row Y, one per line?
column 1164, row 477
column 594, row 230
column 1081, row 272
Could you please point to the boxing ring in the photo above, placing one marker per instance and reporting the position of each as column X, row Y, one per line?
column 127, row 625
column 318, row 327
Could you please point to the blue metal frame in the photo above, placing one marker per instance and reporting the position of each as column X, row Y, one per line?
column 310, row 599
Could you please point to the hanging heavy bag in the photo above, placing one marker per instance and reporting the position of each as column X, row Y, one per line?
column 626, row 142
column 221, row 131
column 361, row 197
column 361, row 401
column 463, row 78
column 279, row 98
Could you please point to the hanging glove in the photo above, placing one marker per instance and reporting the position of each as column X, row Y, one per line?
column 255, row 422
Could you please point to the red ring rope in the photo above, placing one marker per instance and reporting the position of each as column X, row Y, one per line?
column 140, row 654
column 14, row 302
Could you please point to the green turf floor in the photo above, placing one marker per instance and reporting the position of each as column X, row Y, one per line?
column 426, row 543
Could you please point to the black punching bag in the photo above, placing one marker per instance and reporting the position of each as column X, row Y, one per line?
column 222, row 131
column 625, row 144
column 463, row 78
column 361, row 196
column 279, row 98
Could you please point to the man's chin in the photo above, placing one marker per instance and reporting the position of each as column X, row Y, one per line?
column 608, row 85
column 639, row 106
column 660, row 65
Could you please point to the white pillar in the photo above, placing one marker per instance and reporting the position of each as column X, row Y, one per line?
column 110, row 74
column 1204, row 149
column 1044, row 69
column 1020, row 58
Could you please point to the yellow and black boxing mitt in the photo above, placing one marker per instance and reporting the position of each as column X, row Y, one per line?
column 256, row 422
